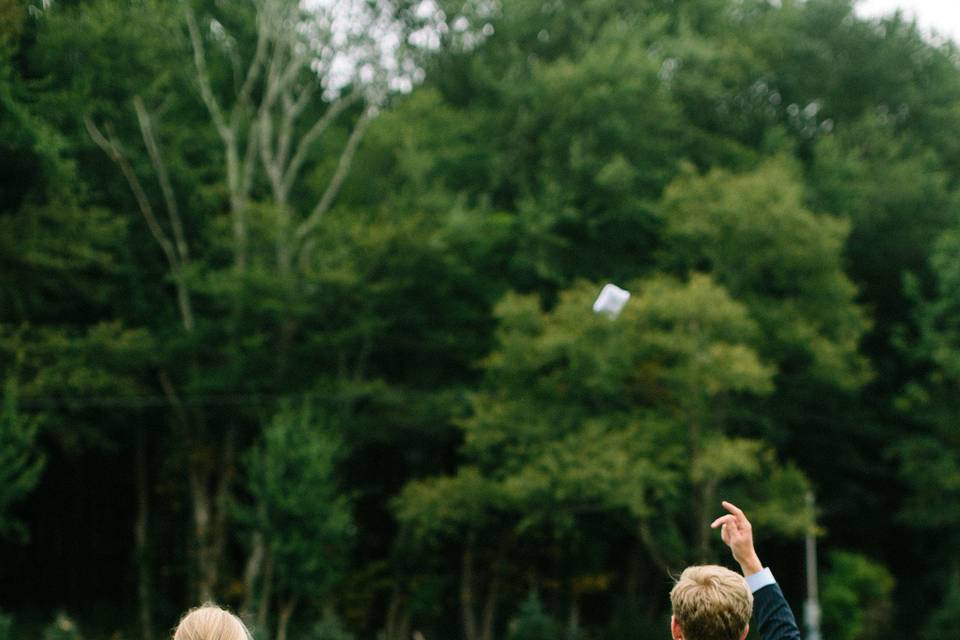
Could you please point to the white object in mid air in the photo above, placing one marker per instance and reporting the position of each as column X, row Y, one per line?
column 611, row 300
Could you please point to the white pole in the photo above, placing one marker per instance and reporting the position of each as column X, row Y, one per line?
column 811, row 609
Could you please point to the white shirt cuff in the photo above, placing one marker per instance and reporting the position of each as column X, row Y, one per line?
column 760, row 580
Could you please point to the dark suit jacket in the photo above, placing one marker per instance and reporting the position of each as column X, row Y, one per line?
column 772, row 615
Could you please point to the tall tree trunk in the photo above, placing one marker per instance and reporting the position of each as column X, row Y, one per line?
column 283, row 620
column 251, row 575
column 221, row 503
column 397, row 626
column 468, row 589
column 701, row 537
column 573, row 620
column 633, row 568
column 493, row 590
column 210, row 497
column 490, row 607
column 645, row 535
column 266, row 590
column 140, row 536
column 707, row 495
column 201, row 502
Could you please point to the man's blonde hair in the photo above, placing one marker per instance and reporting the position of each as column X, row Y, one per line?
column 210, row 622
column 711, row 603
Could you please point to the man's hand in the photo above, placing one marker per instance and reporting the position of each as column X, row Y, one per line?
column 736, row 532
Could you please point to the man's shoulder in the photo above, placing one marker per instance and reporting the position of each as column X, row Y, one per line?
column 772, row 614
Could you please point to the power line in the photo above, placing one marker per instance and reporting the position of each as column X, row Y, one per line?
column 146, row 401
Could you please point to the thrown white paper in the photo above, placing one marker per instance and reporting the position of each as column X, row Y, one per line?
column 611, row 300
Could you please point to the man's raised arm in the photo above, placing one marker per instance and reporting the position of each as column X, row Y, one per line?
column 771, row 613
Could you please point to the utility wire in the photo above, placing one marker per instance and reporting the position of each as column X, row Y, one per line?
column 143, row 401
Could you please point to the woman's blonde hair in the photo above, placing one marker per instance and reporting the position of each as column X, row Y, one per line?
column 210, row 622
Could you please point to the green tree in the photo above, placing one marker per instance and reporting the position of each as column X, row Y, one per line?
column 299, row 510
column 20, row 462
column 897, row 198
column 855, row 597
column 929, row 458
column 739, row 165
column 752, row 232
column 234, row 90
column 581, row 414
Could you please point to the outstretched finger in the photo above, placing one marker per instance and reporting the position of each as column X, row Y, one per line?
column 722, row 520
column 734, row 509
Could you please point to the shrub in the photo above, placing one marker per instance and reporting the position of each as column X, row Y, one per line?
column 533, row 622
column 945, row 621
column 62, row 628
column 329, row 628
column 6, row 627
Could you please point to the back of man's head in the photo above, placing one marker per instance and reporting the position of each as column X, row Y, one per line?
column 711, row 603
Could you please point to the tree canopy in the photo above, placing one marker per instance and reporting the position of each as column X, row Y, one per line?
column 295, row 312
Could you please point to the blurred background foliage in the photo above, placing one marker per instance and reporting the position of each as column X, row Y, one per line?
column 295, row 313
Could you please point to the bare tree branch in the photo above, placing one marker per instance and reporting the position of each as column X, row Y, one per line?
column 303, row 147
column 267, row 157
column 163, row 177
column 239, row 170
column 278, row 88
column 256, row 64
column 238, row 200
column 203, row 76
column 303, row 99
column 235, row 64
column 298, row 60
column 274, row 72
column 249, row 161
column 287, row 119
column 292, row 109
column 286, row 63
column 343, row 168
column 113, row 151
column 171, row 393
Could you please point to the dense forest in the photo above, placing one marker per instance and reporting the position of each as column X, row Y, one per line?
column 295, row 313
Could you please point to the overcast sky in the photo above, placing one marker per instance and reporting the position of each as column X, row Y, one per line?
column 940, row 15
